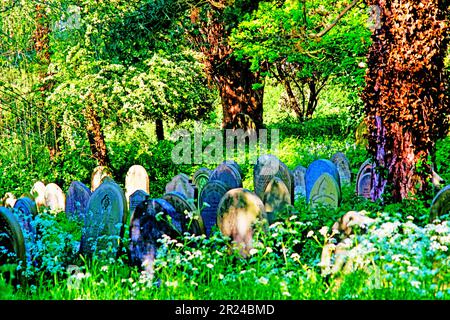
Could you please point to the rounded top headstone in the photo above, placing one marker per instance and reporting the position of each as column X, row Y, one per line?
column 11, row 238
column 210, row 197
column 54, row 197
column 201, row 177
column 181, row 184
column 235, row 165
column 38, row 193
column 9, row 200
column 440, row 204
column 237, row 213
column 77, row 200
column 326, row 191
column 193, row 223
column 228, row 175
column 25, row 210
column 364, row 185
column 315, row 170
column 97, row 175
column 299, row 181
column 343, row 166
column 136, row 179
column 276, row 197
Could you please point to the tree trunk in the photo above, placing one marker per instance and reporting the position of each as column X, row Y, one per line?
column 405, row 98
column 159, row 129
column 96, row 137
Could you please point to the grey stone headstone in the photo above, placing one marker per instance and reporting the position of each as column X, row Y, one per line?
column 97, row 176
column 192, row 222
column 299, row 181
column 211, row 194
column 440, row 204
column 325, row 191
column 343, row 166
column 181, row 184
column 136, row 179
column 77, row 200
column 365, row 185
column 55, row 199
column 25, row 210
column 234, row 165
column 12, row 242
column 9, row 200
column 228, row 175
column 276, row 198
column 105, row 219
column 315, row 170
column 38, row 193
column 137, row 198
column 237, row 212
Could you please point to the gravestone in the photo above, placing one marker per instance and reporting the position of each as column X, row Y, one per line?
column 228, row 175
column 343, row 166
column 365, row 168
column 365, row 185
column 315, row 170
column 192, row 221
column 234, row 165
column 181, row 184
column 200, row 178
column 136, row 198
column 440, row 204
column 9, row 200
column 38, row 193
column 105, row 219
column 77, row 200
column 150, row 221
column 97, row 175
column 211, row 194
column 267, row 167
column 299, row 181
column 325, row 191
column 54, row 197
column 237, row 213
column 12, row 242
column 25, row 210
column 136, row 179
column 276, row 198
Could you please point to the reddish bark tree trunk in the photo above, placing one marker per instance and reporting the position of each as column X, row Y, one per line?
column 405, row 96
column 96, row 137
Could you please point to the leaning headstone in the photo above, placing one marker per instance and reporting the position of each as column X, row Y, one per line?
column 440, row 204
column 136, row 179
column 152, row 219
column 77, row 200
column 315, row 170
column 210, row 197
column 200, row 178
column 25, row 210
column 325, row 191
column 238, row 211
column 38, row 193
column 181, row 184
column 343, row 166
column 54, row 197
column 299, row 181
column 365, row 185
column 12, row 243
column 276, row 198
column 104, row 220
column 97, row 175
column 136, row 198
column 192, row 222
column 267, row 167
column 9, row 200
column 228, row 175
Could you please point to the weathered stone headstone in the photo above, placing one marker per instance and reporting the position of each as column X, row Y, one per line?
column 299, row 181
column 365, row 185
column 181, row 184
column 77, row 200
column 276, row 198
column 97, row 175
column 211, row 195
column 9, row 200
column 38, row 193
column 54, row 197
column 267, row 167
column 440, row 204
column 150, row 221
column 105, row 219
column 137, row 198
column 228, row 175
column 237, row 213
column 325, row 191
column 12, row 243
column 343, row 166
column 315, row 170
column 366, row 167
column 136, row 179
column 192, row 222
column 25, row 210
column 236, row 166
column 200, row 178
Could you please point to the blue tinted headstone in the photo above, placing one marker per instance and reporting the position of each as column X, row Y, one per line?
column 77, row 200
column 316, row 169
column 137, row 198
column 211, row 194
column 228, row 175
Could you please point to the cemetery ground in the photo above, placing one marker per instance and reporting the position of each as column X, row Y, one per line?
column 400, row 256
